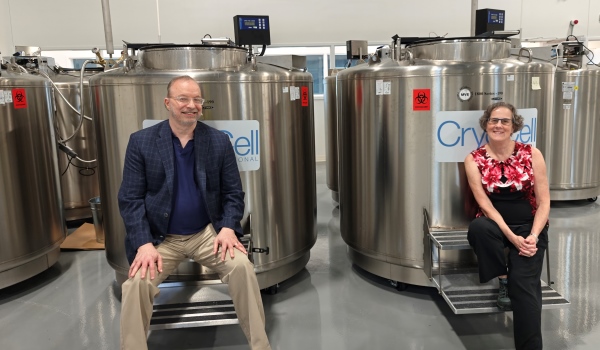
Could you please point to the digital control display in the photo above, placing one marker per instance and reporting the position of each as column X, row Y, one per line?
column 247, row 23
column 496, row 17
column 252, row 30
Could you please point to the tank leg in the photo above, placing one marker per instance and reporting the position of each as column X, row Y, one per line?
column 272, row 290
column 593, row 199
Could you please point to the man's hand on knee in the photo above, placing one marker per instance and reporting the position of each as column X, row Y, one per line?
column 228, row 242
column 147, row 257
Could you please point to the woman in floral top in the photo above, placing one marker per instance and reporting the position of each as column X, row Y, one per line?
column 510, row 185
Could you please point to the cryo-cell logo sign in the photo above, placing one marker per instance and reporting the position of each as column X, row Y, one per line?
column 245, row 139
column 458, row 132
column 244, row 136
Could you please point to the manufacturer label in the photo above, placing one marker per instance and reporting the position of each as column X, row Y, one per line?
column 568, row 86
column 465, row 94
column 294, row 93
column 378, row 87
column 1, row 97
column 7, row 96
column 421, row 99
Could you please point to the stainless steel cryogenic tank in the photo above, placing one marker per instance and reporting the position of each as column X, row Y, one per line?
column 575, row 158
column 79, row 180
column 281, row 186
column 397, row 158
column 31, row 219
column 331, row 129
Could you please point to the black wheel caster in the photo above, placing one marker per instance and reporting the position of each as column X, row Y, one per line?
column 593, row 199
column 401, row 286
column 272, row 290
column 398, row 285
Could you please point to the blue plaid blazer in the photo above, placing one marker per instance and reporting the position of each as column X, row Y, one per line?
column 145, row 196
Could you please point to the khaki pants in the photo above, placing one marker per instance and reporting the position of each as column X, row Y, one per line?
column 138, row 294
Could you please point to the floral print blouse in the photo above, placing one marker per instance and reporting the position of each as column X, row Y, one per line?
column 509, row 183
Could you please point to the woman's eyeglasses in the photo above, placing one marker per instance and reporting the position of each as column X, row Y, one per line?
column 504, row 121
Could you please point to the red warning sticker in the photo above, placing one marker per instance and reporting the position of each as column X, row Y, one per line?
column 304, row 96
column 421, row 99
column 19, row 98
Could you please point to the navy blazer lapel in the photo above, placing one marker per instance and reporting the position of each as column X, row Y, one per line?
column 201, row 148
column 164, row 143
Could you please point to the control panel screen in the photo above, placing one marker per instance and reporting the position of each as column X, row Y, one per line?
column 249, row 23
column 252, row 30
column 496, row 17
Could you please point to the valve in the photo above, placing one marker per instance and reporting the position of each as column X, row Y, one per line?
column 101, row 60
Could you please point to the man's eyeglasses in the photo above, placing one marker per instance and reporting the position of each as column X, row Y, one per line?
column 504, row 121
column 185, row 100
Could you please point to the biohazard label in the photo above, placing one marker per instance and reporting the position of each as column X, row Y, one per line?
column 421, row 99
column 19, row 98
column 304, row 96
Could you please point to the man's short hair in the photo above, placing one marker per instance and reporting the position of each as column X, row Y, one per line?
column 182, row 77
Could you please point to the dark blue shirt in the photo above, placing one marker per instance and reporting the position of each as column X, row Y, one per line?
column 188, row 215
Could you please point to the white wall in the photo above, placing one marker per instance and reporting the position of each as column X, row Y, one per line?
column 6, row 42
column 77, row 24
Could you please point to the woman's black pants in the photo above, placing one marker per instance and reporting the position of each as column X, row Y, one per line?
column 524, row 286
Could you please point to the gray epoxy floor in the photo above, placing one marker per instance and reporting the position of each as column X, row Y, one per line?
column 328, row 305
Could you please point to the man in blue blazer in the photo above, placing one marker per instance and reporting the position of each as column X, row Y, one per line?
column 181, row 197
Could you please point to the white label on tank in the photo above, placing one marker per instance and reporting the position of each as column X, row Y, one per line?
column 568, row 86
column 510, row 77
column 566, row 106
column 567, row 95
column 535, row 83
column 1, row 97
column 294, row 93
column 387, row 87
column 285, row 89
column 243, row 134
column 378, row 87
column 457, row 133
column 7, row 96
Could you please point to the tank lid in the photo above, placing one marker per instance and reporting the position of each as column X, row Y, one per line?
column 467, row 49
column 191, row 57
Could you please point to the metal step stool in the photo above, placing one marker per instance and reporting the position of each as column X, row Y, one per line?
column 187, row 304
column 462, row 291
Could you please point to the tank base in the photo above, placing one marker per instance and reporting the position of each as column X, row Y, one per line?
column 73, row 214
column 29, row 269
column 570, row 195
column 393, row 272
column 273, row 276
column 265, row 279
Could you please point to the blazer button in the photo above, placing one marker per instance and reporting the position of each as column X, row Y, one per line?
column 166, row 215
